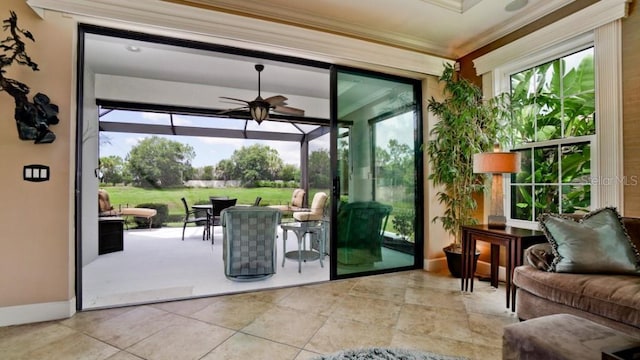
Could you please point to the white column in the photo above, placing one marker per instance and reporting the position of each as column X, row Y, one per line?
column 608, row 185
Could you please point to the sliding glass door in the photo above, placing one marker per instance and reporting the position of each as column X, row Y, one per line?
column 376, row 142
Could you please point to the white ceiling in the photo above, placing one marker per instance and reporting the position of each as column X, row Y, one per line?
column 445, row 28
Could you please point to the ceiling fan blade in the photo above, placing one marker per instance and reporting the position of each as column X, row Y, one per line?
column 234, row 99
column 288, row 110
column 232, row 110
column 276, row 100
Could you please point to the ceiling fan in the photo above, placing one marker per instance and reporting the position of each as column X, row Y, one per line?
column 259, row 107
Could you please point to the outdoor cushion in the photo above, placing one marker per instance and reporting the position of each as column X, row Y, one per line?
column 249, row 242
column 297, row 201
column 106, row 209
column 104, row 204
column 317, row 209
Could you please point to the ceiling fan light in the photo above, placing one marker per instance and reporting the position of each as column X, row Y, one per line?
column 259, row 112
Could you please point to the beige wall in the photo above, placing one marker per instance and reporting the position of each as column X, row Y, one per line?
column 36, row 245
column 631, row 109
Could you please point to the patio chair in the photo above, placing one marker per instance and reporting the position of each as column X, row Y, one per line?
column 217, row 205
column 190, row 217
column 297, row 202
column 360, row 232
column 249, row 242
column 106, row 209
column 317, row 209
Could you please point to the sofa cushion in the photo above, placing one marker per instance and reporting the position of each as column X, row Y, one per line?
column 616, row 297
column 540, row 256
column 561, row 337
column 597, row 243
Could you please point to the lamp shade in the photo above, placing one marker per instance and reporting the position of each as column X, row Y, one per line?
column 259, row 110
column 496, row 162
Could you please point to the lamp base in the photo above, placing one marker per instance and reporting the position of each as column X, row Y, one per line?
column 497, row 222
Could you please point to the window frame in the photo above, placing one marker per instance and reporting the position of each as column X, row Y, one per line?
column 553, row 53
column 602, row 22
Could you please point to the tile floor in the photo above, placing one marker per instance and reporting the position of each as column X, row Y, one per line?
column 412, row 309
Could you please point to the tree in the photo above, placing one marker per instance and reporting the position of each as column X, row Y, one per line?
column 467, row 125
column 224, row 170
column 319, row 169
column 396, row 164
column 157, row 161
column 207, row 172
column 203, row 173
column 113, row 169
column 289, row 172
column 256, row 162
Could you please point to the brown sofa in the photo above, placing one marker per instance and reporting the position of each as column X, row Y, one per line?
column 610, row 300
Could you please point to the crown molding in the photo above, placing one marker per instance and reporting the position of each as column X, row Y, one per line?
column 170, row 19
column 585, row 20
column 313, row 21
column 297, row 17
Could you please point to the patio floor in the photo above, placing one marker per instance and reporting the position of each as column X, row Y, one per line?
column 156, row 265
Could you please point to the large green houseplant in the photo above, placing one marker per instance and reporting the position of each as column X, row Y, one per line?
column 467, row 125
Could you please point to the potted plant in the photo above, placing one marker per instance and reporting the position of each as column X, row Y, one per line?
column 467, row 125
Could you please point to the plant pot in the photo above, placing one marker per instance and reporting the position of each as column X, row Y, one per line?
column 454, row 260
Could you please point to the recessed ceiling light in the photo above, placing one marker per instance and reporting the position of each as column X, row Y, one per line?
column 516, row 5
column 133, row 48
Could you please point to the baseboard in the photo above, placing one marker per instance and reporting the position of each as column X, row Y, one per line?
column 435, row 265
column 483, row 268
column 24, row 314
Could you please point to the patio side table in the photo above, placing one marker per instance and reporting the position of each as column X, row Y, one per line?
column 302, row 228
column 110, row 234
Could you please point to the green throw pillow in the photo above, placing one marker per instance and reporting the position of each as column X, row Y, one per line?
column 597, row 243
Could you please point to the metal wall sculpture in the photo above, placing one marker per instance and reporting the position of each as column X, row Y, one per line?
column 32, row 117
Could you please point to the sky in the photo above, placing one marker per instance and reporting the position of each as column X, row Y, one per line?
column 210, row 150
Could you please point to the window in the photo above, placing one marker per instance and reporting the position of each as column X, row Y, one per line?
column 598, row 30
column 553, row 127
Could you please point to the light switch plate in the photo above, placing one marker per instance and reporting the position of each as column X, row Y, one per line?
column 36, row 173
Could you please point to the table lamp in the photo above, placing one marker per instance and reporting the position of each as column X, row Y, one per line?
column 496, row 163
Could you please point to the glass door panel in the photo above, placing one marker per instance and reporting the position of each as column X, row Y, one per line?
column 375, row 191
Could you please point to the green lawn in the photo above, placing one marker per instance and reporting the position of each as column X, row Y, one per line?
column 129, row 196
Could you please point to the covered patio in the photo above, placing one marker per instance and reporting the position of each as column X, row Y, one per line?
column 155, row 265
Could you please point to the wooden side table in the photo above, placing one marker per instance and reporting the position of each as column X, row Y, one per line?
column 515, row 240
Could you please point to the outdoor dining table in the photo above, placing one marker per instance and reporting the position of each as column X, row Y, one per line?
column 209, row 209
column 206, row 207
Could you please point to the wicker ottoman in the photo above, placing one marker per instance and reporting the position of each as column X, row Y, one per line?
column 561, row 336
